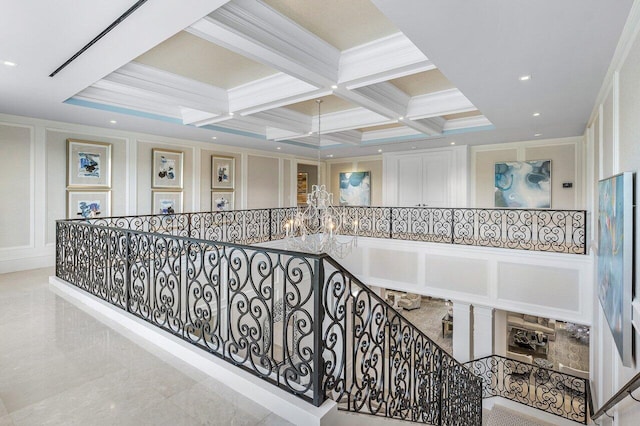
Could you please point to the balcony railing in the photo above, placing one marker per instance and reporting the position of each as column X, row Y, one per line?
column 299, row 321
column 559, row 231
column 551, row 391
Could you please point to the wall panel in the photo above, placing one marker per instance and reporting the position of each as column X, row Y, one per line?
column 17, row 178
column 262, row 182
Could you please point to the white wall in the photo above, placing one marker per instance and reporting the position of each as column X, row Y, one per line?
column 34, row 180
column 613, row 139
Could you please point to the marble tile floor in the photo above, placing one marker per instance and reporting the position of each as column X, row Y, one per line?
column 428, row 319
column 59, row 365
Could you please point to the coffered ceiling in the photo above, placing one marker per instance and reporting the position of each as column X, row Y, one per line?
column 249, row 72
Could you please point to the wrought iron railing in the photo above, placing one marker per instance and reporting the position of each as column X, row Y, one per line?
column 560, row 231
column 548, row 390
column 296, row 320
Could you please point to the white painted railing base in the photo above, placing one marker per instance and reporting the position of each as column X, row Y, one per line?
column 276, row 400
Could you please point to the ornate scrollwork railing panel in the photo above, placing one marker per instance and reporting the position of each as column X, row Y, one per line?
column 547, row 390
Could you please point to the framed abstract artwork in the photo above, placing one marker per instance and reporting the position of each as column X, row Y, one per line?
column 615, row 259
column 523, row 184
column 302, row 187
column 88, row 204
column 355, row 189
column 88, row 164
column 222, row 172
column 167, row 202
column 167, row 169
column 222, row 201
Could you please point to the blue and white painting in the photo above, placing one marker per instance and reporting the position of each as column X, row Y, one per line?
column 167, row 206
column 615, row 236
column 167, row 169
column 88, row 209
column 523, row 184
column 355, row 189
column 88, row 165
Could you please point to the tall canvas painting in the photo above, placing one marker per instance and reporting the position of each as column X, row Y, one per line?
column 615, row 258
column 355, row 189
column 523, row 184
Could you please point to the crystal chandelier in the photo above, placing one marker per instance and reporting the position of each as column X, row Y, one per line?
column 318, row 226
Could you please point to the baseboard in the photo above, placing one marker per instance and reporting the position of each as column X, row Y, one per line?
column 26, row 263
column 276, row 400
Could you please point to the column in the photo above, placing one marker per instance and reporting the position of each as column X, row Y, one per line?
column 462, row 331
column 482, row 331
column 500, row 332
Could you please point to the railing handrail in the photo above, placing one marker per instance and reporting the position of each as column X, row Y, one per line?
column 624, row 392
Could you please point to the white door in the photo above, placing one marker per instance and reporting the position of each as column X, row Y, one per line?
column 436, row 179
column 409, row 181
column 424, row 179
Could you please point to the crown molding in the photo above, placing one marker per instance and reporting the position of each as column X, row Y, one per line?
column 255, row 30
column 467, row 122
column 366, row 64
column 106, row 97
column 450, row 101
column 430, row 126
column 271, row 92
column 393, row 100
column 285, row 119
column 389, row 133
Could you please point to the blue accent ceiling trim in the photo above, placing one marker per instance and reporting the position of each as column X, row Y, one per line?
column 136, row 113
column 121, row 110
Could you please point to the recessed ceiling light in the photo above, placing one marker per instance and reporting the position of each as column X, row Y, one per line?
column 379, row 150
column 330, row 155
column 334, row 87
column 214, row 137
column 310, row 133
column 278, row 148
column 413, row 147
column 536, row 114
column 525, row 77
column 230, row 113
column 9, row 63
column 113, row 122
column 453, row 143
column 400, row 118
column 537, row 134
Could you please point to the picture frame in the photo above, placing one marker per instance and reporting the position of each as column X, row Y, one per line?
column 223, row 171
column 167, row 169
column 616, row 259
column 355, row 188
column 302, row 187
column 88, row 204
column 522, row 184
column 166, row 202
column 222, row 201
column 88, row 164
